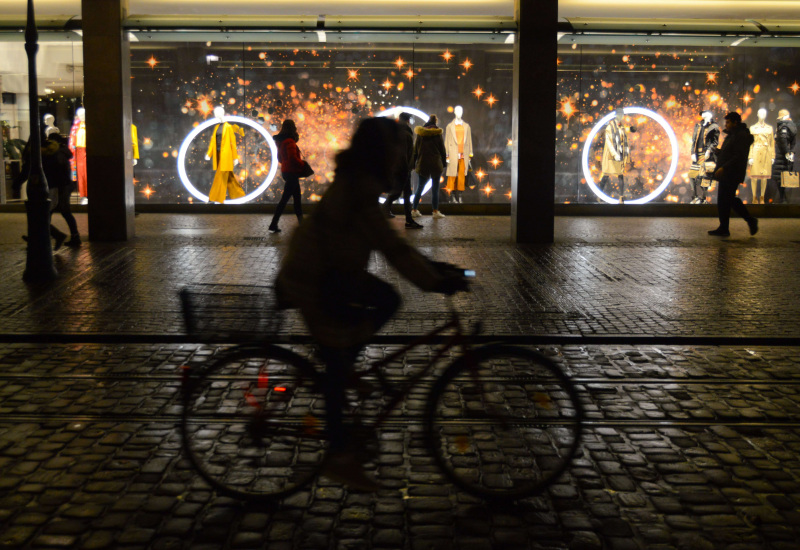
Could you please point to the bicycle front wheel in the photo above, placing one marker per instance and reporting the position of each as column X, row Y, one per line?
column 253, row 422
column 503, row 422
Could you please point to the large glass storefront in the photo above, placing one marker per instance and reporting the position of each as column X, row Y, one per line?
column 326, row 88
column 59, row 65
column 662, row 91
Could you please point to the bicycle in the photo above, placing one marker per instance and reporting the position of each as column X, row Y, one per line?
column 502, row 422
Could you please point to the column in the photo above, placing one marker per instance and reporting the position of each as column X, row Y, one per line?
column 534, row 122
column 107, row 99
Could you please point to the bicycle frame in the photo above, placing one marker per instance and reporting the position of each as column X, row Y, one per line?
column 457, row 339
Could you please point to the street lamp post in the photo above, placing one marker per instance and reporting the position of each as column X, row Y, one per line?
column 39, row 265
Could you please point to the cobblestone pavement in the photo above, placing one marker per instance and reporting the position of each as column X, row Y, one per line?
column 686, row 447
column 613, row 276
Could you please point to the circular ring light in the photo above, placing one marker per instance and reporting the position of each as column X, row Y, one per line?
column 241, row 120
column 605, row 120
column 394, row 112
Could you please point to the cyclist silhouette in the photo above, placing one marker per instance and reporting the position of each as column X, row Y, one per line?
column 324, row 274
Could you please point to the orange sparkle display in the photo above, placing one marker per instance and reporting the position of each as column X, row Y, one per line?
column 352, row 74
column 491, row 100
column 567, row 109
column 746, row 98
column 488, row 190
column 711, row 78
column 509, row 195
column 399, row 62
column 478, row 92
column 447, row 56
column 467, row 64
column 795, row 88
column 409, row 74
column 387, row 84
column 152, row 62
column 495, row 162
column 147, row 192
column 480, row 174
column 204, row 106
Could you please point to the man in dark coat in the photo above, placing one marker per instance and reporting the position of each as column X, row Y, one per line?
column 731, row 168
column 403, row 183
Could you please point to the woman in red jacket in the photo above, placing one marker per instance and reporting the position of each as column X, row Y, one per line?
column 291, row 167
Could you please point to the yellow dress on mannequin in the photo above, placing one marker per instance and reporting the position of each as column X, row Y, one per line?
column 224, row 178
column 135, row 140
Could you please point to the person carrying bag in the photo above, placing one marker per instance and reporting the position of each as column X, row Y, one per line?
column 293, row 167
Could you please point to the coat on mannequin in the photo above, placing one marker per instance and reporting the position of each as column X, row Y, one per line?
column 785, row 134
column 761, row 157
column 77, row 144
column 705, row 142
column 135, row 144
column 616, row 153
column 458, row 146
column 222, row 151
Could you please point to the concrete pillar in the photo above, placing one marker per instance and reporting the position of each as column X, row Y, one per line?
column 107, row 99
column 534, row 122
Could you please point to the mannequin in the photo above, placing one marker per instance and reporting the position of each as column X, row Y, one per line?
column 77, row 144
column 761, row 157
column 705, row 140
column 616, row 154
column 49, row 126
column 785, row 133
column 222, row 150
column 458, row 146
column 135, row 140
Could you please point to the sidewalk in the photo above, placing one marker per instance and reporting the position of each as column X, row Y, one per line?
column 603, row 276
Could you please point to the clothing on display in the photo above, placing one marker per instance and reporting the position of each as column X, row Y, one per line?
column 135, row 140
column 80, row 159
column 762, row 152
column 222, row 152
column 705, row 143
column 785, row 135
column 458, row 146
column 616, row 146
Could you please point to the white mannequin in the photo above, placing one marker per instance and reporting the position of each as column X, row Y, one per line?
column 219, row 114
column 707, row 116
column 81, row 114
column 758, row 198
column 456, row 151
column 49, row 126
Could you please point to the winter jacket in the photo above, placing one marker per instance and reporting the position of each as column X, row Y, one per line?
column 785, row 134
column 338, row 239
column 408, row 140
column 733, row 154
column 289, row 156
column 705, row 138
column 429, row 153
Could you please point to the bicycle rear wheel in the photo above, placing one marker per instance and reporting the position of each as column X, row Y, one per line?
column 253, row 422
column 503, row 422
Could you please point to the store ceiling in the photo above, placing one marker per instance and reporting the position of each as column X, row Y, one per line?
column 583, row 15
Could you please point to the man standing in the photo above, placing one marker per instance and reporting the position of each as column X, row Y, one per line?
column 731, row 168
column 403, row 183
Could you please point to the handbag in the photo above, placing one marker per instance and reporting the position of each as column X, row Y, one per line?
column 306, row 171
column 694, row 170
column 790, row 179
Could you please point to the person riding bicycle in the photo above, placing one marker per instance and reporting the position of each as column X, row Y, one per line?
column 324, row 274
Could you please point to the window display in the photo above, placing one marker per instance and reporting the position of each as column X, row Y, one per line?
column 637, row 123
column 327, row 88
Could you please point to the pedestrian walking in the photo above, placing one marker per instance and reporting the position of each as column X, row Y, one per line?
column 403, row 181
column 731, row 168
column 292, row 165
column 430, row 158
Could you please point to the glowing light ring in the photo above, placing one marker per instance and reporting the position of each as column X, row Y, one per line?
column 241, row 120
column 394, row 112
column 672, row 168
